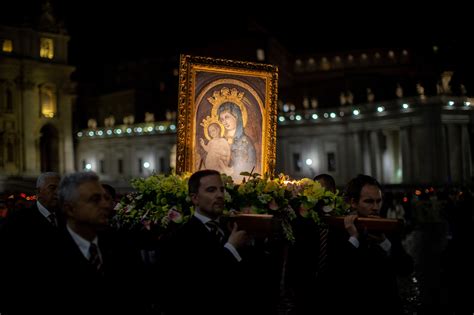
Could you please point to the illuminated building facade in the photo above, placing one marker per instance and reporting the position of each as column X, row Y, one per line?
column 374, row 112
column 36, row 97
column 404, row 141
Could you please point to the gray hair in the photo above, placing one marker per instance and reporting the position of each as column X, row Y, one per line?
column 44, row 176
column 69, row 184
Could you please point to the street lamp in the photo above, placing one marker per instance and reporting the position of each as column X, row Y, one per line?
column 309, row 162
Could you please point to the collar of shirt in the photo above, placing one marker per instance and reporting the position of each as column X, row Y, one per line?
column 203, row 219
column 45, row 212
column 82, row 243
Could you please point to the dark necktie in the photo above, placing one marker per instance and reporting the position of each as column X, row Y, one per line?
column 215, row 231
column 323, row 250
column 52, row 219
column 94, row 257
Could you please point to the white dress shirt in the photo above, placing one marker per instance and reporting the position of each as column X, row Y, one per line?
column 84, row 244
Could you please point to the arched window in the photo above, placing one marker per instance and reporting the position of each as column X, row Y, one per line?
column 46, row 48
column 7, row 45
column 48, row 107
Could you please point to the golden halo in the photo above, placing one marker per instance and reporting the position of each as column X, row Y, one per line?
column 209, row 121
column 231, row 96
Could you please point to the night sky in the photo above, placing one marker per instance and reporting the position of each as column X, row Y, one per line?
column 130, row 30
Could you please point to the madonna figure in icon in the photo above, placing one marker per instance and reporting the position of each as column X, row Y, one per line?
column 242, row 157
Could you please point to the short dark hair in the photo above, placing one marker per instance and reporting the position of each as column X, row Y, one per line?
column 195, row 179
column 110, row 190
column 328, row 179
column 355, row 185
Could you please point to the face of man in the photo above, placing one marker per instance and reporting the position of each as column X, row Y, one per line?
column 210, row 197
column 92, row 206
column 370, row 201
column 48, row 193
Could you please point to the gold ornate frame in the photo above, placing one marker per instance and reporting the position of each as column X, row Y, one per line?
column 206, row 83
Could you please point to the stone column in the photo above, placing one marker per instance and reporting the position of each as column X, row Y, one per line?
column 30, row 128
column 406, row 154
column 67, row 149
column 454, row 150
column 391, row 157
column 354, row 155
column 466, row 154
column 376, row 156
column 366, row 152
column 445, row 154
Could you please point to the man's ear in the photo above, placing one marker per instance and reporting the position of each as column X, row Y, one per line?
column 68, row 209
column 354, row 203
column 194, row 198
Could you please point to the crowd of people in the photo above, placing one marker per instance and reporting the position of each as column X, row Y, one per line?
column 61, row 256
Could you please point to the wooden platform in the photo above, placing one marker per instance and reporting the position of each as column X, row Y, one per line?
column 257, row 225
column 373, row 224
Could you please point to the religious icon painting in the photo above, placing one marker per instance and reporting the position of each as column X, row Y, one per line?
column 227, row 116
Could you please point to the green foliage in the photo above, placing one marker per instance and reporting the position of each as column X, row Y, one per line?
column 160, row 199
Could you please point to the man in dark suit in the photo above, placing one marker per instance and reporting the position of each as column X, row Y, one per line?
column 366, row 263
column 307, row 261
column 27, row 245
column 96, row 268
column 44, row 213
column 202, row 262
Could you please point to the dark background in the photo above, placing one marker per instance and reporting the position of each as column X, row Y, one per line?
column 106, row 33
column 139, row 28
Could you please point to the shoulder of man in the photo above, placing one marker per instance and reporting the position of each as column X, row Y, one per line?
column 22, row 218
